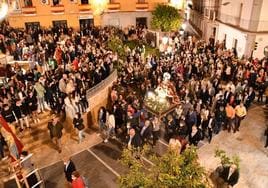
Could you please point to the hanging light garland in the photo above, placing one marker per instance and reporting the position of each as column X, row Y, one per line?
column 99, row 6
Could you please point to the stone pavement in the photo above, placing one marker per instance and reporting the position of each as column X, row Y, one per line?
column 248, row 144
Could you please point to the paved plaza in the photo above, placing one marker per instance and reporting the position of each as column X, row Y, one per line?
column 99, row 161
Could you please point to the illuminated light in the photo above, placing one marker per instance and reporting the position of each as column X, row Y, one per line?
column 181, row 31
column 3, row 10
column 178, row 4
column 164, row 40
column 183, row 26
column 99, row 6
column 150, row 94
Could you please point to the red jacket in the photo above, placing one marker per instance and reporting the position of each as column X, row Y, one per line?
column 78, row 183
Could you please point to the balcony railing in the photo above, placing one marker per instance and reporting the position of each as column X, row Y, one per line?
column 113, row 6
column 84, row 7
column 142, row 5
column 57, row 9
column 28, row 10
column 103, row 84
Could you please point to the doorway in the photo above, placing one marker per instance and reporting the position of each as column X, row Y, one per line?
column 86, row 23
column 141, row 21
column 59, row 23
column 32, row 25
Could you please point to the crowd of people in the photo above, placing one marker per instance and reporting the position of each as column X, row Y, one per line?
column 212, row 87
column 62, row 66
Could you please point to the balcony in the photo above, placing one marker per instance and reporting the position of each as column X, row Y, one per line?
column 57, row 9
column 84, row 8
column 114, row 6
column 28, row 10
column 142, row 6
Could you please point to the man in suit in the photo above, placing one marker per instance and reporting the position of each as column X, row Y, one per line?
column 249, row 98
column 69, row 168
column 230, row 175
column 146, row 131
column 134, row 140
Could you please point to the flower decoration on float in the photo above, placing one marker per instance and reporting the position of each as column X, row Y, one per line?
column 99, row 6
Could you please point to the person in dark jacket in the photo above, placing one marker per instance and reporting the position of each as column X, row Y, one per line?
column 220, row 119
column 230, row 175
column 8, row 114
column 79, row 125
column 69, row 168
column 146, row 131
column 19, row 113
column 194, row 136
column 102, row 118
column 55, row 130
column 134, row 140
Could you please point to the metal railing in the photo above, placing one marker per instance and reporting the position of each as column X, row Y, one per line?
column 104, row 83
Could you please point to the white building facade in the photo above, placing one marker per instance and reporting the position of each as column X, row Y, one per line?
column 243, row 24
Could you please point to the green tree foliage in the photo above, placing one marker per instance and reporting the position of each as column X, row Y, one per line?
column 166, row 18
column 172, row 170
column 116, row 45
column 225, row 159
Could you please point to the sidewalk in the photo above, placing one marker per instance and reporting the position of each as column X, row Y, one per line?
column 248, row 144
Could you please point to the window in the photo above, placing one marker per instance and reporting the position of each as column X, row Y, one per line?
column 55, row 2
column 86, row 24
column 235, row 43
column 84, row 2
column 32, row 25
column 214, row 31
column 28, row 3
column 59, row 23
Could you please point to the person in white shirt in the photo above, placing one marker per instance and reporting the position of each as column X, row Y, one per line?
column 110, row 126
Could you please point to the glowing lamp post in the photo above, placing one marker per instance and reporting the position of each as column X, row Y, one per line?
column 99, row 6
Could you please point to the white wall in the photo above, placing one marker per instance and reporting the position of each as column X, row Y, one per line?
column 263, row 24
column 230, row 12
column 124, row 19
column 231, row 35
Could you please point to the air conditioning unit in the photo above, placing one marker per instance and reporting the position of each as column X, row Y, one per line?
column 45, row 2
